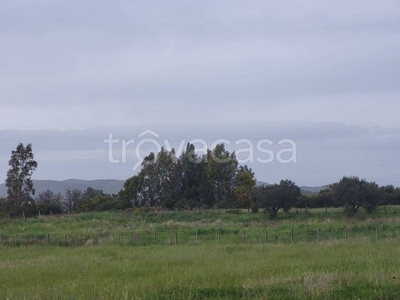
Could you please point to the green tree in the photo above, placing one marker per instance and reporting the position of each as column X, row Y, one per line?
column 167, row 183
column 73, row 198
column 274, row 197
column 132, row 190
column 353, row 193
column 221, row 171
column 193, row 179
column 19, row 183
column 244, row 184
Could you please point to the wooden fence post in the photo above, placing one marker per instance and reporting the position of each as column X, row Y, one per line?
column 197, row 237
column 175, row 237
column 291, row 236
column 48, row 238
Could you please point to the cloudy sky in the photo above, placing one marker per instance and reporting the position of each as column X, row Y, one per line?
column 323, row 74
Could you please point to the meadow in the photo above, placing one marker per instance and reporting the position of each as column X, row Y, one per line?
column 101, row 259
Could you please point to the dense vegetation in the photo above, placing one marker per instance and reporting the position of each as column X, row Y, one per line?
column 190, row 181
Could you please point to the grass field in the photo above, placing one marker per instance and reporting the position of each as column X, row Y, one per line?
column 333, row 270
column 359, row 267
column 234, row 226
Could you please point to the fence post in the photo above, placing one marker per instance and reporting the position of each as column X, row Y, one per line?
column 197, row 237
column 219, row 235
column 266, row 236
column 291, row 236
column 318, row 235
column 48, row 237
column 175, row 238
column 376, row 233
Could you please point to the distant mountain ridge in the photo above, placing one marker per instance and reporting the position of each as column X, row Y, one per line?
column 109, row 186
column 306, row 190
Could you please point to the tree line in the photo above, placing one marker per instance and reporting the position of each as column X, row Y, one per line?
column 188, row 181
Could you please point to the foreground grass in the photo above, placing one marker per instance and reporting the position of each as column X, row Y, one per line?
column 355, row 269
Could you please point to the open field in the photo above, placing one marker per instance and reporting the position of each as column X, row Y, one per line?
column 330, row 270
column 101, row 260
column 230, row 226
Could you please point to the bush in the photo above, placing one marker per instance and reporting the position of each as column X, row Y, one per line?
column 254, row 208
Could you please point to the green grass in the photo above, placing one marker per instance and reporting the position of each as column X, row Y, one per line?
column 359, row 269
column 94, row 256
column 109, row 227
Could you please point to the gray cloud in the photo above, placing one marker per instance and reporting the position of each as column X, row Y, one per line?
column 324, row 74
column 325, row 151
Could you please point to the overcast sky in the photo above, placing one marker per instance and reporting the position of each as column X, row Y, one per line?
column 324, row 74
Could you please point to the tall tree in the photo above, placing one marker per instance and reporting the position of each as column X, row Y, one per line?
column 244, row 184
column 167, row 185
column 73, row 198
column 149, row 193
column 19, row 183
column 221, row 170
column 132, row 190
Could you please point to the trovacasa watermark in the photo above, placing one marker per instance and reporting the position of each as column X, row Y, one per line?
column 248, row 151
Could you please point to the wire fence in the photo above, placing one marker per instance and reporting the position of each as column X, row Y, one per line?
column 197, row 236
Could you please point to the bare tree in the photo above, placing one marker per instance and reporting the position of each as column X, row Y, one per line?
column 73, row 197
column 49, row 197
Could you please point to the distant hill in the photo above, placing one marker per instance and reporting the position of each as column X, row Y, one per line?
column 109, row 186
column 306, row 190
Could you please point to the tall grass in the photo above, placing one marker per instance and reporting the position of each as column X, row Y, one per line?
column 234, row 226
column 358, row 269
